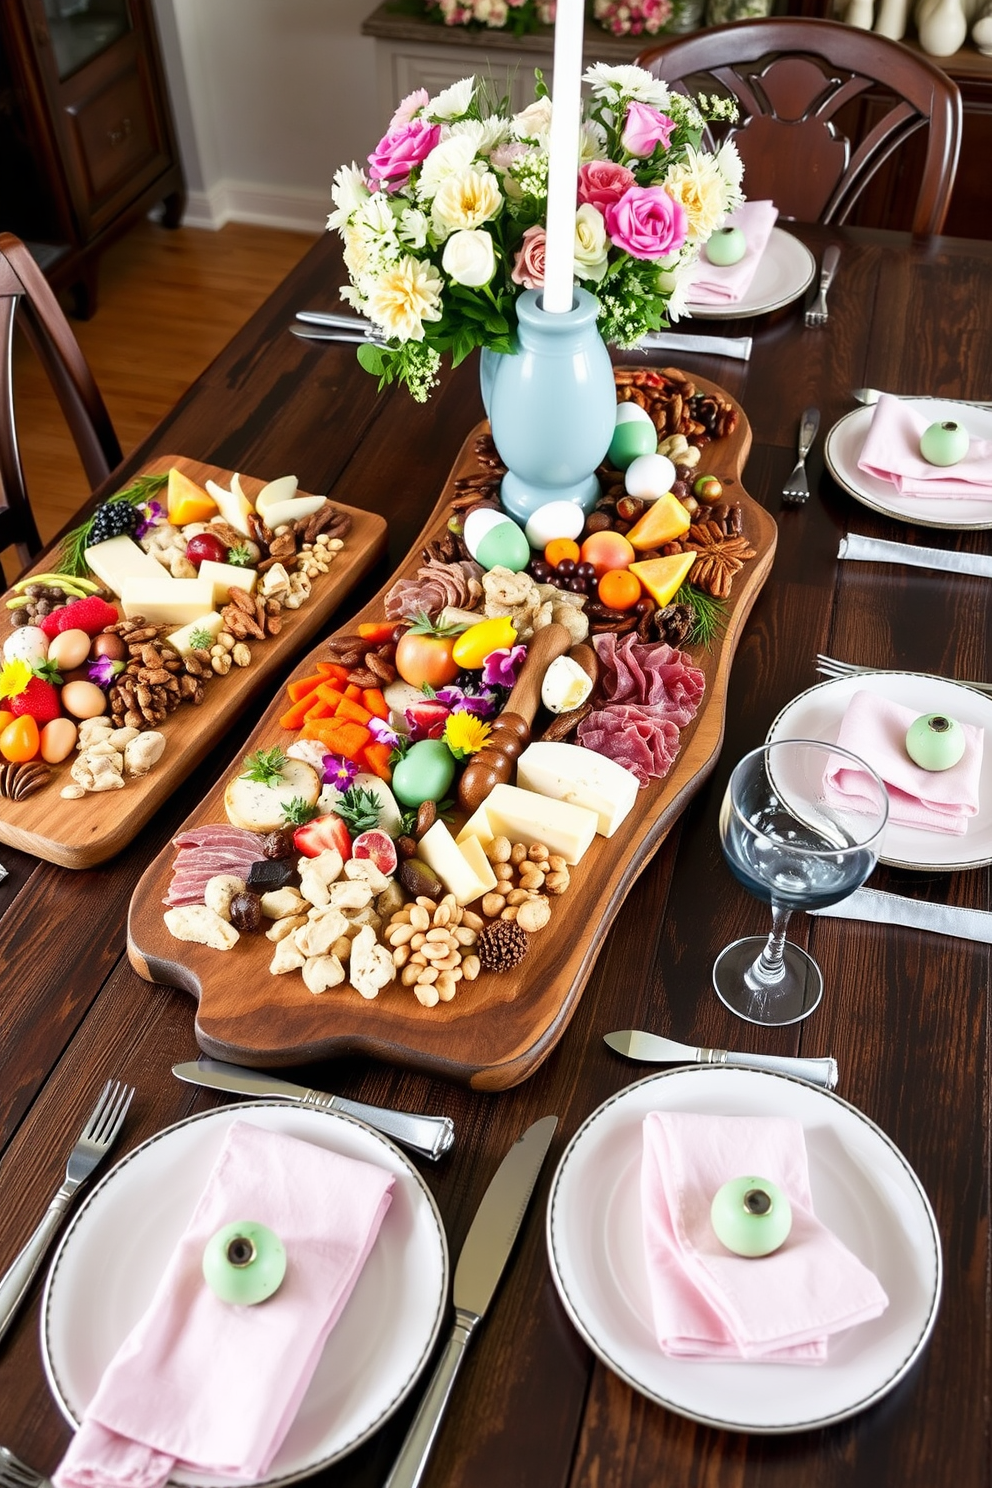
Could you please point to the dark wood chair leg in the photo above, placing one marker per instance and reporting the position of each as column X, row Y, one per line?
column 175, row 206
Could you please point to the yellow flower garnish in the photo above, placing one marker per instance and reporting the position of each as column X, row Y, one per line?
column 465, row 734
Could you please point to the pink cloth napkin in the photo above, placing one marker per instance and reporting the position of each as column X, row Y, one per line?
column 715, row 284
column 891, row 452
column 212, row 1386
column 711, row 1304
column 874, row 728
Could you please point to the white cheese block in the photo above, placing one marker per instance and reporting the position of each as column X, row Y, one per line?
column 180, row 640
column 227, row 576
column 566, row 772
column 524, row 816
column 120, row 558
column 439, row 851
column 167, row 601
column 257, row 807
column 475, row 854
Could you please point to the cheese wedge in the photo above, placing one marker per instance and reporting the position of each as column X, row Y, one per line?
column 166, row 601
column 439, row 851
column 181, row 640
column 227, row 576
column 567, row 772
column 524, row 816
column 120, row 558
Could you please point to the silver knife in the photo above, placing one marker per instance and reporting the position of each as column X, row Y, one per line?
column 483, row 1256
column 728, row 346
column 650, row 1048
column 337, row 321
column 429, row 1135
column 316, row 333
column 914, row 914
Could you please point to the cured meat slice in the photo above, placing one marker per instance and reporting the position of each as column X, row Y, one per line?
column 652, row 692
column 206, row 851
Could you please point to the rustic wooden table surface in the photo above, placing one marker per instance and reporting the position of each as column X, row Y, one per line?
column 906, row 1014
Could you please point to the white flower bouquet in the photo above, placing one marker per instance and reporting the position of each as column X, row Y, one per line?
column 446, row 226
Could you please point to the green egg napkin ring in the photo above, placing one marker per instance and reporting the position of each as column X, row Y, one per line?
column 244, row 1263
column 935, row 742
column 751, row 1216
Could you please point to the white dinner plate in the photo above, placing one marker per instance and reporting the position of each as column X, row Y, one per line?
column 817, row 714
column 842, row 451
column 863, row 1190
column 785, row 270
column 120, row 1240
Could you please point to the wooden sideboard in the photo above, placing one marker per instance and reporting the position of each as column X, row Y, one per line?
column 412, row 52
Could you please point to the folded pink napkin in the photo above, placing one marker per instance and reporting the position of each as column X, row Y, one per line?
column 711, row 1304
column 215, row 1387
column 874, row 728
column 715, row 284
column 891, row 452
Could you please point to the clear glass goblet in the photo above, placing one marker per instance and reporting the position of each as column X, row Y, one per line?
column 796, row 845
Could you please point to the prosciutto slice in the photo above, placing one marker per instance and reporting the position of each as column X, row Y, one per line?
column 206, row 851
column 652, row 692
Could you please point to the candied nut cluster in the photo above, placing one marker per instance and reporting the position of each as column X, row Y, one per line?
column 432, row 945
column 155, row 679
column 316, row 557
column 526, row 880
column 251, row 615
column 369, row 666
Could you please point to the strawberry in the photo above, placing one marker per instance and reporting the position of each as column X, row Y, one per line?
column 427, row 719
column 316, row 836
column 92, row 614
column 30, row 692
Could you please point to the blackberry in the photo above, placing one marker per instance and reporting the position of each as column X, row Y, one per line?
column 113, row 519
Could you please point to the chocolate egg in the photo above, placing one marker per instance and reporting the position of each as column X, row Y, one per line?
column 751, row 1216
column 108, row 643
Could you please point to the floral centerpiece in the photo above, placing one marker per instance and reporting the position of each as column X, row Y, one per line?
column 446, row 226
column 518, row 16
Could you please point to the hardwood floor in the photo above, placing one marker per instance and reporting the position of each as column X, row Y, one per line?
column 169, row 301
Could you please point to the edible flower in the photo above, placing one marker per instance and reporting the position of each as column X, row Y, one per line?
column 104, row 670
column 382, row 733
column 151, row 514
column 465, row 734
column 461, row 701
column 339, row 771
column 501, row 667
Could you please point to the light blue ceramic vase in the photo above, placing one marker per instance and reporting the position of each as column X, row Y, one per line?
column 551, row 405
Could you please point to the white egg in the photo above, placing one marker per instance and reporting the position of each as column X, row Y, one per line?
column 649, row 476
column 633, row 413
column 26, row 643
column 554, row 519
column 478, row 523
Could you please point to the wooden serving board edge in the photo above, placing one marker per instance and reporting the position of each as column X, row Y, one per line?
column 95, row 828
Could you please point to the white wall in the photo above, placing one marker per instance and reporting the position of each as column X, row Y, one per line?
column 270, row 97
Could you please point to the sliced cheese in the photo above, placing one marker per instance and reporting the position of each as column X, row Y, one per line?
column 567, row 772
column 439, row 851
column 227, row 576
column 278, row 513
column 524, row 816
column 181, row 639
column 166, row 601
column 233, row 505
column 475, row 854
column 120, row 558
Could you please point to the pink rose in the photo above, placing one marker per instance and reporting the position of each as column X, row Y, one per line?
column 396, row 154
column 528, row 266
column 644, row 128
column 602, row 184
column 647, row 223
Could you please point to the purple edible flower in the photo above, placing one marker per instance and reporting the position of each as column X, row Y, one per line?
column 104, row 670
column 479, row 704
column 502, row 666
column 150, row 511
column 382, row 733
column 338, row 771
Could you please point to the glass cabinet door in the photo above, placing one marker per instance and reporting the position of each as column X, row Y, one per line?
column 81, row 29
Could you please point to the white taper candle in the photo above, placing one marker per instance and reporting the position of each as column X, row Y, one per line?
column 563, row 164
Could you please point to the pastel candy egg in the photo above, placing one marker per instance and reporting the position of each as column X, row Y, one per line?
column 26, row 643
column 478, row 523
column 726, row 246
column 944, row 443
column 935, row 742
column 244, row 1263
column 503, row 546
column 554, row 519
column 751, row 1216
column 634, row 435
column 649, row 476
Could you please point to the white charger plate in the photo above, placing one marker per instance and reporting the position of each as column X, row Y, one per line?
column 817, row 714
column 785, row 271
column 863, row 1190
column 842, row 451
column 120, row 1240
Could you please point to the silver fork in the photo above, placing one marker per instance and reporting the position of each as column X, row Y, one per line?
column 827, row 666
column 16, row 1474
column 816, row 315
column 94, row 1142
column 796, row 489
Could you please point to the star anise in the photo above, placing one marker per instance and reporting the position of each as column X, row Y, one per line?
column 720, row 557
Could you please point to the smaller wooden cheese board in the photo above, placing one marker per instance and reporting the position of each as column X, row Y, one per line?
column 499, row 1028
column 81, row 833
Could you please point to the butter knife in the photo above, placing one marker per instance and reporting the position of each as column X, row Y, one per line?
column 431, row 1136
column 651, row 1048
column 913, row 914
column 738, row 347
column 480, row 1265
column 357, row 336
column 340, row 321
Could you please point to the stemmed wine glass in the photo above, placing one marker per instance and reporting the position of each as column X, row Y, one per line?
column 795, row 845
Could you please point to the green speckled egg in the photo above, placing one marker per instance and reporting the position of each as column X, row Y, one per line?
column 935, row 742
column 244, row 1263
column 726, row 246
column 751, row 1216
column 504, row 546
column 944, row 443
column 425, row 772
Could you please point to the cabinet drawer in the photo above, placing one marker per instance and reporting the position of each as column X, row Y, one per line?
column 114, row 133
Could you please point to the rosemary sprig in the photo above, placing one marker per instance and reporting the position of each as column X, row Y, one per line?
column 710, row 614
column 70, row 558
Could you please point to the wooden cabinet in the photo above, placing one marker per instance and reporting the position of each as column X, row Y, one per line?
column 87, row 142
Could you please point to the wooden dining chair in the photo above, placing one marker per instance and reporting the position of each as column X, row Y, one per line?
column 26, row 295
column 822, row 107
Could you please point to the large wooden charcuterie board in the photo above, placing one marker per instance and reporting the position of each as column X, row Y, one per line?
column 81, row 833
column 498, row 1029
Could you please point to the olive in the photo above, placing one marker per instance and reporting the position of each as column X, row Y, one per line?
column 566, row 567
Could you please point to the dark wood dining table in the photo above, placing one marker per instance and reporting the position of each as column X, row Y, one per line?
column 907, row 1014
